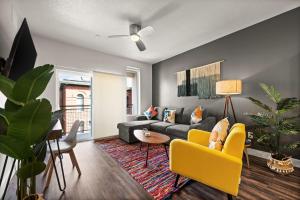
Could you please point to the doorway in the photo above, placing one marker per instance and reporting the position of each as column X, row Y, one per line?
column 75, row 96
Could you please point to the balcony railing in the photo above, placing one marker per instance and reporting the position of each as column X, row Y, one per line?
column 71, row 113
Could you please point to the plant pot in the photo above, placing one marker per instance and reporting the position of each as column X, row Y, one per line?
column 34, row 197
column 283, row 166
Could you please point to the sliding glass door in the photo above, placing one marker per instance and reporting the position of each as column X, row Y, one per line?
column 75, row 101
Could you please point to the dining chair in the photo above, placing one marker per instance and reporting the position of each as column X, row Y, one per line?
column 66, row 147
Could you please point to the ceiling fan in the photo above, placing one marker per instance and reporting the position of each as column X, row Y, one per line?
column 135, row 34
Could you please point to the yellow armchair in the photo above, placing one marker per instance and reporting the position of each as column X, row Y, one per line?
column 218, row 169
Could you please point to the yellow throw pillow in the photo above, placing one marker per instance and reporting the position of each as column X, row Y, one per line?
column 196, row 116
column 218, row 135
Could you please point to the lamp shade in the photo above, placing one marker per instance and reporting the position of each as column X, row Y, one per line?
column 229, row 87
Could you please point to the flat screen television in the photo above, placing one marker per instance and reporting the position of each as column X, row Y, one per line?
column 22, row 54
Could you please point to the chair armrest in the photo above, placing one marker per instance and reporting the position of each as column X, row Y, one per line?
column 207, row 124
column 140, row 117
column 208, row 166
column 198, row 136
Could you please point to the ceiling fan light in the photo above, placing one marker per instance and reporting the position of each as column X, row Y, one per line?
column 135, row 37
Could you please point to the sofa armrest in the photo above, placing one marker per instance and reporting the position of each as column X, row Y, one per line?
column 140, row 117
column 207, row 124
column 211, row 167
column 198, row 136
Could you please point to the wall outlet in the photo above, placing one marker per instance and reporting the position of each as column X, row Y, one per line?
column 250, row 135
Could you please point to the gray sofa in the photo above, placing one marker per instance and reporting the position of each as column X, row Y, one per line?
column 178, row 130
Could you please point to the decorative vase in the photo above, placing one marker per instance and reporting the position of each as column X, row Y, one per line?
column 284, row 166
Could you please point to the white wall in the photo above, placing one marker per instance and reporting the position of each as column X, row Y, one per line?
column 10, row 21
column 77, row 58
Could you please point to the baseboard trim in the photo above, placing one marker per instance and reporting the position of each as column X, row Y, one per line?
column 266, row 155
column 106, row 138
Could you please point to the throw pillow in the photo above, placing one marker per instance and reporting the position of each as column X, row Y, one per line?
column 169, row 116
column 160, row 111
column 196, row 115
column 151, row 112
column 218, row 135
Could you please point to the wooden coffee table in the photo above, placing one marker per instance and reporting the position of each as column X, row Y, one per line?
column 154, row 138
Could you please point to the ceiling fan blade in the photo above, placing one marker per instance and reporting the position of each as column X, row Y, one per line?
column 140, row 45
column 117, row 36
column 148, row 30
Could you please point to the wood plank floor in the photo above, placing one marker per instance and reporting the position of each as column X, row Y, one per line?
column 103, row 178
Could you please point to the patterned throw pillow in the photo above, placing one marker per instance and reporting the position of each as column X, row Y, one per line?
column 218, row 135
column 196, row 115
column 169, row 116
column 151, row 112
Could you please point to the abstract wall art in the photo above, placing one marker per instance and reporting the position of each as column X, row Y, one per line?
column 199, row 81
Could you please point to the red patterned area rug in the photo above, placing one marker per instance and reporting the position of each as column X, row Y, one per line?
column 156, row 178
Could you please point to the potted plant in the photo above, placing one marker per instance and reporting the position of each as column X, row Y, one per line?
column 25, row 122
column 274, row 123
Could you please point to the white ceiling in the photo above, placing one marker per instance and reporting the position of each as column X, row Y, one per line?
column 180, row 25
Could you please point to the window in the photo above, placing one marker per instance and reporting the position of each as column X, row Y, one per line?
column 132, row 92
column 80, row 102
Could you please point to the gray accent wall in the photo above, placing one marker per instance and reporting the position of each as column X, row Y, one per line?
column 267, row 52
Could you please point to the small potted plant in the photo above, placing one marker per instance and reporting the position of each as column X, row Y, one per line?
column 275, row 122
column 25, row 122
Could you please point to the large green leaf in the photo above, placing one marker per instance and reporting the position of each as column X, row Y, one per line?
column 31, row 122
column 273, row 94
column 14, row 148
column 31, row 169
column 4, row 116
column 6, row 85
column 12, row 107
column 32, row 84
column 3, row 126
column 260, row 104
column 40, row 151
column 287, row 104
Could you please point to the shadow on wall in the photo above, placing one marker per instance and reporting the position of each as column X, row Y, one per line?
column 283, row 76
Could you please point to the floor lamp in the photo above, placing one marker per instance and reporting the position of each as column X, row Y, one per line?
column 228, row 88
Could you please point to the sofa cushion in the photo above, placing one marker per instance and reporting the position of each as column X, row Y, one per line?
column 126, row 129
column 186, row 115
column 178, row 131
column 169, row 116
column 160, row 113
column 218, row 135
column 160, row 127
column 136, row 123
column 196, row 115
column 178, row 114
column 151, row 112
